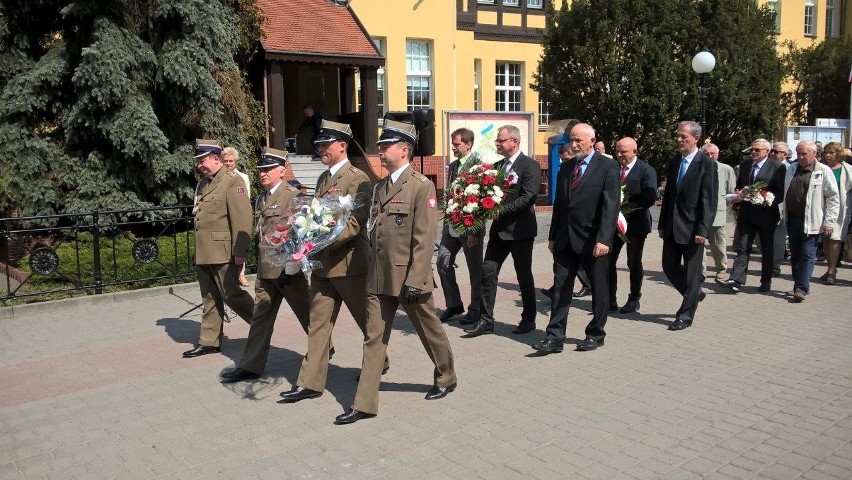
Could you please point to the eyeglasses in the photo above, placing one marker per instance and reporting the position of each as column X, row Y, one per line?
column 502, row 140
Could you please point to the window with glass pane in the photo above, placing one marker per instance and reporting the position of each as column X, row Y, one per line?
column 831, row 17
column 485, row 2
column 380, row 79
column 535, row 3
column 508, row 86
column 543, row 113
column 809, row 17
column 510, row 3
column 773, row 6
column 477, row 90
column 418, row 74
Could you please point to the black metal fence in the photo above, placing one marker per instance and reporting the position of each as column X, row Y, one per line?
column 61, row 255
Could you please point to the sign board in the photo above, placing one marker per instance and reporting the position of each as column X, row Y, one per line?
column 800, row 133
column 485, row 126
column 832, row 122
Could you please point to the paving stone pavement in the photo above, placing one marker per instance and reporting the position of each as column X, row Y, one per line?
column 757, row 388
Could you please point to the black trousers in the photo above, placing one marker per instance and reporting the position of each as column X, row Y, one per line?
column 566, row 266
column 748, row 231
column 495, row 254
column 635, row 247
column 683, row 265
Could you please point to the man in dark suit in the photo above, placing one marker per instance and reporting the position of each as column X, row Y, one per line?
column 759, row 220
column 512, row 232
column 688, row 210
column 581, row 231
column 452, row 242
column 640, row 191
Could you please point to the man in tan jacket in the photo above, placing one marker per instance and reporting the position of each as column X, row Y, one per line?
column 342, row 275
column 222, row 225
column 272, row 284
column 402, row 228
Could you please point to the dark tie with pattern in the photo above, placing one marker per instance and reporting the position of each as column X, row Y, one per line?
column 577, row 175
column 623, row 173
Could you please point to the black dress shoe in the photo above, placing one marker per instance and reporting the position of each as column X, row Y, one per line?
column 765, row 287
column 238, row 375
column 297, row 394
column 679, row 324
column 481, row 328
column 630, row 307
column 548, row 345
column 467, row 320
column 701, row 296
column 437, row 392
column 613, row 306
column 584, row 292
column 200, row 350
column 450, row 313
column 524, row 327
column 547, row 292
column 590, row 344
column 732, row 285
column 351, row 416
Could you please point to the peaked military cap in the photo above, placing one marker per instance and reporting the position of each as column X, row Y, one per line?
column 398, row 132
column 333, row 131
column 206, row 147
column 271, row 158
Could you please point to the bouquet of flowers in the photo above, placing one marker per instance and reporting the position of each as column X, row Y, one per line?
column 755, row 194
column 626, row 209
column 475, row 196
column 310, row 225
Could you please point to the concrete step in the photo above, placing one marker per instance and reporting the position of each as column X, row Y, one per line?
column 307, row 169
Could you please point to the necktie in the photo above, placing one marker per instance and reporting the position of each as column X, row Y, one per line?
column 623, row 173
column 577, row 175
column 507, row 166
column 754, row 171
column 682, row 171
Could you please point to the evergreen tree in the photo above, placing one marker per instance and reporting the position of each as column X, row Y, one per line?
column 625, row 67
column 820, row 75
column 102, row 100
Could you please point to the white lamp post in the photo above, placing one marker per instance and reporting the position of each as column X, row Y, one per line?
column 702, row 64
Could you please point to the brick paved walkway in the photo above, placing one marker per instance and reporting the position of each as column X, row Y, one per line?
column 757, row 388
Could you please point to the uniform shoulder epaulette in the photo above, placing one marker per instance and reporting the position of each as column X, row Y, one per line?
column 233, row 174
column 287, row 186
column 420, row 176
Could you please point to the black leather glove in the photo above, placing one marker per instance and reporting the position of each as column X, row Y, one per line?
column 283, row 279
column 411, row 294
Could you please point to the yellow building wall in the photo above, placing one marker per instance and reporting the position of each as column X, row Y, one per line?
column 453, row 55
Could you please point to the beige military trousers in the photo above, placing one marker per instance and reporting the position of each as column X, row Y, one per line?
column 381, row 310
column 218, row 284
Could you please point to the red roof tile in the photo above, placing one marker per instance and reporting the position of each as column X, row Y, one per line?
column 313, row 27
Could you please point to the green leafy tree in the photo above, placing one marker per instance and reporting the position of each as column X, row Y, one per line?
column 625, row 67
column 819, row 76
column 100, row 101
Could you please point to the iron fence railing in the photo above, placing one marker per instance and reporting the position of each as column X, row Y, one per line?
column 60, row 255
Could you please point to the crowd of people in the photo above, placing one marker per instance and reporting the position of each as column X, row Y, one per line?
column 383, row 259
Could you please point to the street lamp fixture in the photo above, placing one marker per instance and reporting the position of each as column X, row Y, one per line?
column 702, row 64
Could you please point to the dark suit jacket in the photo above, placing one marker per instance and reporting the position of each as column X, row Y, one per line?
column 517, row 217
column 641, row 193
column 587, row 214
column 689, row 209
column 772, row 174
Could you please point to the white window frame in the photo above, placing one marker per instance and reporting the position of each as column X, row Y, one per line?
column 477, row 84
column 418, row 73
column 511, row 3
column 381, row 80
column 810, row 18
column 503, row 84
column 536, row 4
column 775, row 7
column 832, row 19
column 543, row 114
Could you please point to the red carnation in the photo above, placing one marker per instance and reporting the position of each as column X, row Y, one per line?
column 488, row 203
column 488, row 180
column 468, row 220
column 456, row 216
column 472, row 199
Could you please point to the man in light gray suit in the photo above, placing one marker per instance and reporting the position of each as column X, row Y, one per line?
column 718, row 236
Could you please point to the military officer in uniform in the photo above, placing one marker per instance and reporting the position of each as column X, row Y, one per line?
column 272, row 284
column 342, row 275
column 222, row 225
column 402, row 228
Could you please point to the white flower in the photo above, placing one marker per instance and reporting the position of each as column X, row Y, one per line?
column 498, row 192
column 491, row 172
column 513, row 177
column 770, row 197
column 472, row 189
column 470, row 207
column 755, row 199
column 345, row 201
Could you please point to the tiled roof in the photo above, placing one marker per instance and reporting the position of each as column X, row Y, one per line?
column 313, row 27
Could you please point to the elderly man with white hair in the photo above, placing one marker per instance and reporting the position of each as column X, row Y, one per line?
column 718, row 238
column 757, row 218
